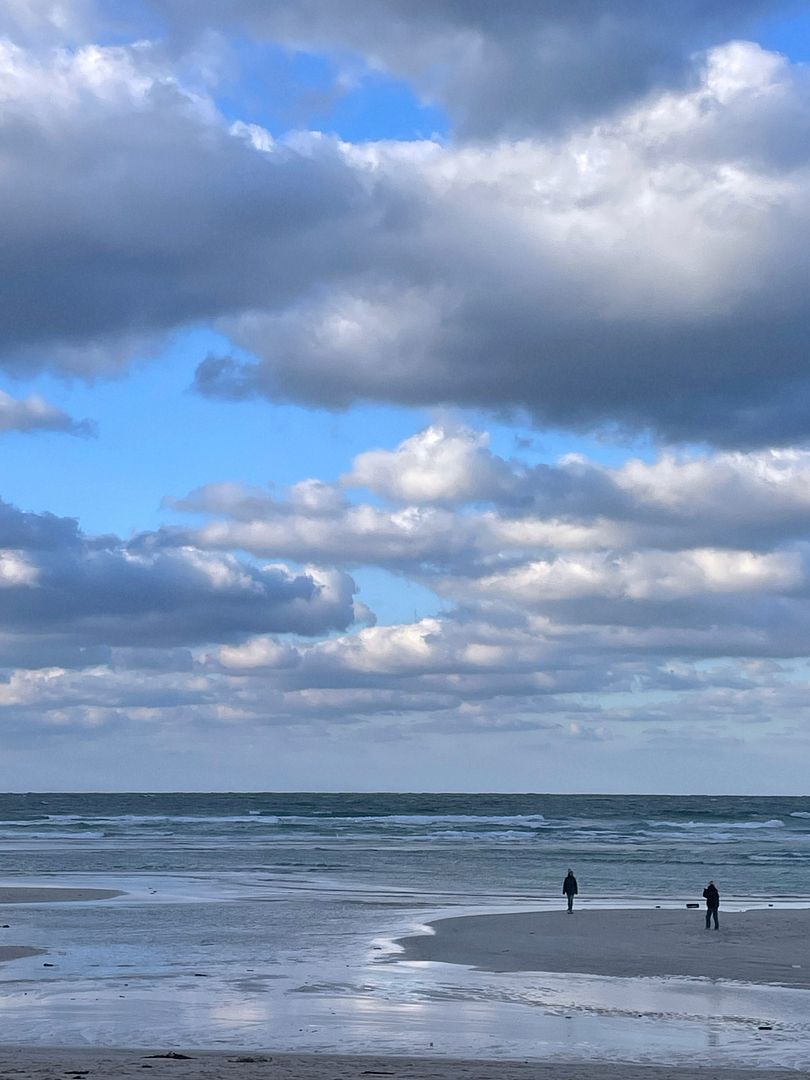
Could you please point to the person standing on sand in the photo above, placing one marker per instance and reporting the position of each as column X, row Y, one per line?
column 712, row 904
column 570, row 889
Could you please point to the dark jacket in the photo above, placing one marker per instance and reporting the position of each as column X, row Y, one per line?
column 570, row 886
column 712, row 896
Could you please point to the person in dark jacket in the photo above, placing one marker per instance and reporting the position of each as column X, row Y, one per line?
column 712, row 896
column 570, row 889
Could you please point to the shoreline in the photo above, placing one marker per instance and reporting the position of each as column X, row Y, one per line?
column 761, row 947
column 32, row 1063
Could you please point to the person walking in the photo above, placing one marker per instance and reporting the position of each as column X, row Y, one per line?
column 712, row 896
column 570, row 889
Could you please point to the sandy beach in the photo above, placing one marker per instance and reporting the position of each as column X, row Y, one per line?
column 39, row 1064
column 763, row 946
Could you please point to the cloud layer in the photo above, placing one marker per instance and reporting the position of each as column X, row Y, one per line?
column 562, row 585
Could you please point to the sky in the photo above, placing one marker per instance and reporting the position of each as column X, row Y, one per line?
column 405, row 395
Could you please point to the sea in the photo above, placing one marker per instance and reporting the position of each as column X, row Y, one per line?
column 271, row 920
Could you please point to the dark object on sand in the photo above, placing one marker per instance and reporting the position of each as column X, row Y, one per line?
column 173, row 1055
column 693, row 905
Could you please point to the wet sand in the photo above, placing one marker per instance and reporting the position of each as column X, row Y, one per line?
column 17, row 952
column 758, row 946
column 771, row 946
column 24, row 895
column 45, row 1064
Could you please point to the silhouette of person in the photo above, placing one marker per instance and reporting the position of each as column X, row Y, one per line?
column 570, row 889
column 712, row 904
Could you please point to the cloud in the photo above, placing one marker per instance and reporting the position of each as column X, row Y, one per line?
column 452, row 502
column 63, row 591
column 132, row 209
column 646, row 272
column 681, row 556
column 563, row 613
column 434, row 466
column 34, row 414
column 511, row 69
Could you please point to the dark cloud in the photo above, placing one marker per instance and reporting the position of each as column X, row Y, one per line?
column 61, row 590
column 499, row 68
column 648, row 273
column 130, row 209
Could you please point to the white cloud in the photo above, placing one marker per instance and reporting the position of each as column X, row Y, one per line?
column 16, row 569
column 435, row 465
column 649, row 575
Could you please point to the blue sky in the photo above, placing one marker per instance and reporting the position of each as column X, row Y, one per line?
column 476, row 368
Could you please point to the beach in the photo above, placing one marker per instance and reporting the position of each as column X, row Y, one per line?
column 45, row 1064
column 769, row 946
column 630, row 950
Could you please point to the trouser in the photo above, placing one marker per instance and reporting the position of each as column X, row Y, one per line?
column 570, row 901
column 711, row 913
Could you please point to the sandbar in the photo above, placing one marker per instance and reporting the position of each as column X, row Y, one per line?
column 23, row 894
column 765, row 946
column 33, row 1063
column 17, row 952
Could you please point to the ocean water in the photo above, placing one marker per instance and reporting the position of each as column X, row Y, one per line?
column 268, row 920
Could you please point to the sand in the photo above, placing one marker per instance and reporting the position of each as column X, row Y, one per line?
column 771, row 946
column 17, row 952
column 25, row 895
column 47, row 1064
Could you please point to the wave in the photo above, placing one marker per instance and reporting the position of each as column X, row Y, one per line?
column 520, row 820
column 92, row 821
column 772, row 823
column 260, row 817
column 7, row 834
